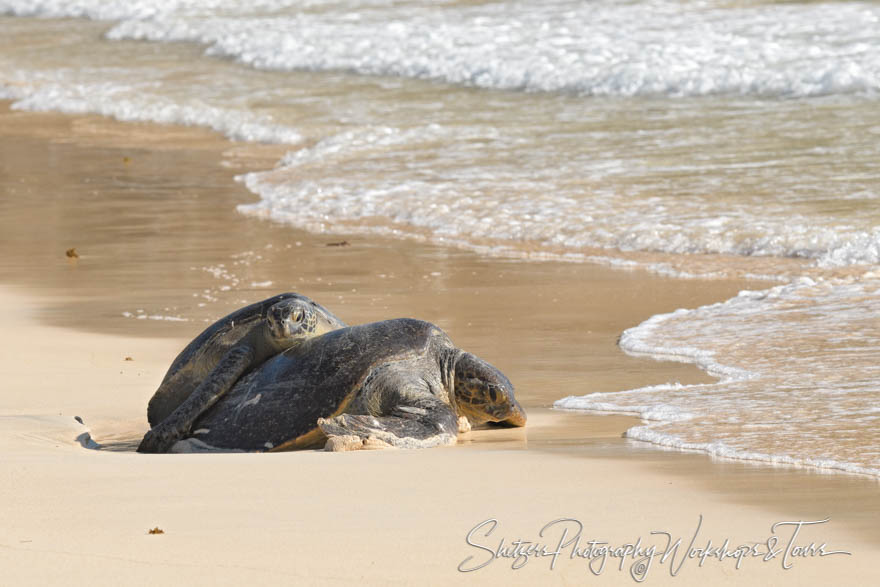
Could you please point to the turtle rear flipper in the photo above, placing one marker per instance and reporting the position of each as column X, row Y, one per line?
column 430, row 422
column 178, row 425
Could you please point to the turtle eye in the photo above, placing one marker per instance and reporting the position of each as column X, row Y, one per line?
column 492, row 394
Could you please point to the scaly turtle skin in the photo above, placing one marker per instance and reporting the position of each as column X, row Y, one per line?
column 209, row 366
column 398, row 382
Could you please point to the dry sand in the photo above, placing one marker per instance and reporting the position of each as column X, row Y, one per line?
column 150, row 211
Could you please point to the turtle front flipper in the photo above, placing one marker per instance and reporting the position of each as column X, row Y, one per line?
column 175, row 427
column 425, row 423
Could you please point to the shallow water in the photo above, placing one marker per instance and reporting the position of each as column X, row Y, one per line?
column 697, row 139
column 798, row 378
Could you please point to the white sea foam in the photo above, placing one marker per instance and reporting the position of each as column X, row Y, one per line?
column 596, row 402
column 456, row 171
column 129, row 101
column 656, row 47
column 472, row 204
column 147, row 9
column 798, row 385
column 603, row 48
column 140, row 315
column 723, row 451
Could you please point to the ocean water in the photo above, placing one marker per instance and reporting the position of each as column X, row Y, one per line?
column 704, row 138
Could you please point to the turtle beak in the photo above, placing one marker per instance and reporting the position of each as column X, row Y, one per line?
column 517, row 416
column 281, row 328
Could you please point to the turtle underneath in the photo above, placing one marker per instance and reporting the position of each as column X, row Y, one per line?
column 397, row 382
column 209, row 365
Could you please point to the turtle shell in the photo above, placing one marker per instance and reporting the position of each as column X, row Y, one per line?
column 196, row 361
column 278, row 404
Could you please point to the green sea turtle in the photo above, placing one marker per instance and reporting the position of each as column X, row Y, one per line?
column 398, row 382
column 209, row 365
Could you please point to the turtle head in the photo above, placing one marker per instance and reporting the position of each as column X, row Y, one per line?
column 291, row 319
column 297, row 318
column 484, row 394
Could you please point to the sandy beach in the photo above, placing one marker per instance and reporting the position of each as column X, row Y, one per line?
column 161, row 252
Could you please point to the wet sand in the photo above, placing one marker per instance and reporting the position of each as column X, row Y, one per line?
column 151, row 213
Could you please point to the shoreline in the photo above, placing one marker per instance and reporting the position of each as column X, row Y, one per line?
column 229, row 517
column 550, row 326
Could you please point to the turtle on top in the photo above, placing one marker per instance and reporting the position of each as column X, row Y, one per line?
column 399, row 383
column 209, row 366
